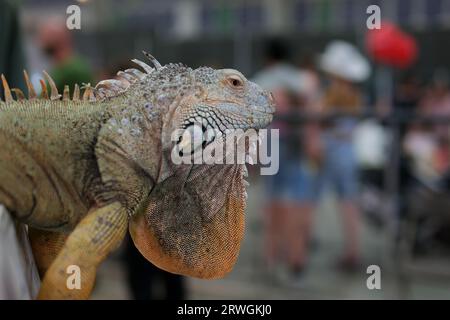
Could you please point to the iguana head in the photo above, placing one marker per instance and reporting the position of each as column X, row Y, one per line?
column 193, row 220
column 224, row 99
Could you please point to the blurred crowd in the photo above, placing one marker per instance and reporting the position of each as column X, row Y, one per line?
column 313, row 155
column 345, row 142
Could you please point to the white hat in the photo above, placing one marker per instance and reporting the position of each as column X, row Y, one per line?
column 344, row 60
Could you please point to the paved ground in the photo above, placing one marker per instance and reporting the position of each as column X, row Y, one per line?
column 321, row 281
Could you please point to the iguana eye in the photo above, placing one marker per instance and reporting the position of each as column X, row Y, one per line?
column 235, row 81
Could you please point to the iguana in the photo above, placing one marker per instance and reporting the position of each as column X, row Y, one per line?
column 80, row 170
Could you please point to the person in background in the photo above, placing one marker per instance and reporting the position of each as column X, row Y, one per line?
column 67, row 68
column 290, row 192
column 344, row 67
column 407, row 94
column 143, row 278
column 426, row 146
column 436, row 103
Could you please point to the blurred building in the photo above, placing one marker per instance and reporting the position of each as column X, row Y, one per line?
column 232, row 32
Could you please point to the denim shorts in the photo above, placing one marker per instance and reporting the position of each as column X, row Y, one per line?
column 296, row 180
column 340, row 171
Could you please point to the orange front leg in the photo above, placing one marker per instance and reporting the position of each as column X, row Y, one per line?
column 72, row 273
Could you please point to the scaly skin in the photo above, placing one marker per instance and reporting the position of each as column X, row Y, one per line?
column 79, row 173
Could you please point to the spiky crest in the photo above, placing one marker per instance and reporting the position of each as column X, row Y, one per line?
column 103, row 90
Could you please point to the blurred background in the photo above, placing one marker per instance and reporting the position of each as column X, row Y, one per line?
column 364, row 120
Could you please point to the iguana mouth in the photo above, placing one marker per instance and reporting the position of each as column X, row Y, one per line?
column 196, row 136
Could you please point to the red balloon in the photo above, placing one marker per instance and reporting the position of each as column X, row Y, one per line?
column 390, row 46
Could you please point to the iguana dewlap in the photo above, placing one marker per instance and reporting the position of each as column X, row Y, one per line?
column 80, row 170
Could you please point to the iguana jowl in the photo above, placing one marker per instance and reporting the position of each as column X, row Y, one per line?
column 79, row 171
